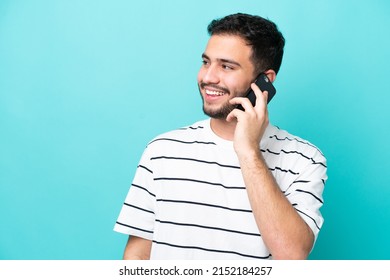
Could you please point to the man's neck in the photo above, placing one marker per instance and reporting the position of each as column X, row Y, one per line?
column 223, row 129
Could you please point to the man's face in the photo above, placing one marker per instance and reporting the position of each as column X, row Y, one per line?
column 227, row 72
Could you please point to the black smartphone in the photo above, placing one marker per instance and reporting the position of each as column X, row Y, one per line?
column 263, row 83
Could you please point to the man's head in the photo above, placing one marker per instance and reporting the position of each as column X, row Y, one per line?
column 262, row 35
column 240, row 47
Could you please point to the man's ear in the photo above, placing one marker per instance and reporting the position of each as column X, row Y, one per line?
column 271, row 75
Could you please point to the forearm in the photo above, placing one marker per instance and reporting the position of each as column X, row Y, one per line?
column 137, row 249
column 284, row 232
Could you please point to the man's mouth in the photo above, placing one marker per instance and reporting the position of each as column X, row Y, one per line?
column 214, row 92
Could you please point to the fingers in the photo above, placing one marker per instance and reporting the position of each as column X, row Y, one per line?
column 260, row 108
column 237, row 113
column 243, row 101
column 251, row 122
column 261, row 97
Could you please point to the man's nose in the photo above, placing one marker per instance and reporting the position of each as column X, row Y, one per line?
column 211, row 75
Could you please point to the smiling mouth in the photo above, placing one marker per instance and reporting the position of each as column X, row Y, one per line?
column 214, row 92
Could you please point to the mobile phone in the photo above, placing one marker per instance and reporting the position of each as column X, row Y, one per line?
column 264, row 84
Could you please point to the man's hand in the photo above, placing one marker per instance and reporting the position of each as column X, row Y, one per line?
column 251, row 123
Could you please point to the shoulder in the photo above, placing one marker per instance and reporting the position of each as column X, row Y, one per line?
column 185, row 135
column 279, row 140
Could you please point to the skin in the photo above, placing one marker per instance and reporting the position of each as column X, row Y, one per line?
column 226, row 74
column 137, row 248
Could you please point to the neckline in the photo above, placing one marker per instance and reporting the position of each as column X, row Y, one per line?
column 215, row 138
column 229, row 144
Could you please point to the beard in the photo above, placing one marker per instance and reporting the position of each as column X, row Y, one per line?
column 219, row 113
column 223, row 110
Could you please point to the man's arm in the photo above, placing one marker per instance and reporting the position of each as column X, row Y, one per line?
column 137, row 248
column 284, row 232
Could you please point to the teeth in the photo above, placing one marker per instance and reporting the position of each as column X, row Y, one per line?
column 215, row 93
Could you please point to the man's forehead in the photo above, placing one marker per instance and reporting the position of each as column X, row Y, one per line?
column 222, row 60
column 228, row 48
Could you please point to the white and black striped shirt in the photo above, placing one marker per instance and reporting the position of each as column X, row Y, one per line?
column 188, row 195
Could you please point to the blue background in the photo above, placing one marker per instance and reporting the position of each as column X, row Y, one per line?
column 84, row 85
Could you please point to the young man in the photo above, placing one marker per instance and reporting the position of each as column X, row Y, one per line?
column 233, row 186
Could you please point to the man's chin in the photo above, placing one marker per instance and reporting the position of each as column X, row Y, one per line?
column 221, row 113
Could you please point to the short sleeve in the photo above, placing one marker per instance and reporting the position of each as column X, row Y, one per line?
column 137, row 215
column 306, row 192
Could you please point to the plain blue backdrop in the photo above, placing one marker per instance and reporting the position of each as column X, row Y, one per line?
column 84, row 85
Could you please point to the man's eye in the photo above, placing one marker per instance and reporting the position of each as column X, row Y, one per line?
column 204, row 62
column 227, row 67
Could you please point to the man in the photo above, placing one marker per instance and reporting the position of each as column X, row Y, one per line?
column 233, row 186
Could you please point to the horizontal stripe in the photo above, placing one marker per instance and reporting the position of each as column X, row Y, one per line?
column 302, row 191
column 144, row 167
column 139, row 208
column 183, row 142
column 294, row 152
column 196, row 160
column 203, row 204
column 320, row 163
column 300, row 182
column 297, row 140
column 144, row 189
column 134, row 227
column 283, row 170
column 207, row 227
column 308, row 217
column 197, row 181
column 296, row 182
column 211, row 250
column 298, row 190
column 191, row 127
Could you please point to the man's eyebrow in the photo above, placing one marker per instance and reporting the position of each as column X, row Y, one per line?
column 223, row 60
column 229, row 61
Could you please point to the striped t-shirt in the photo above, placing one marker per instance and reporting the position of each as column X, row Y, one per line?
column 188, row 195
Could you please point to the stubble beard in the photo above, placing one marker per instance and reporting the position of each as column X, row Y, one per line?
column 218, row 113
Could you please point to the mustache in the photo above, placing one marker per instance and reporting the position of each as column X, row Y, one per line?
column 211, row 86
